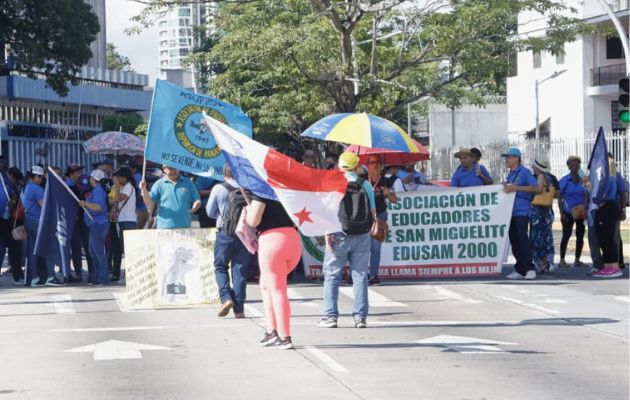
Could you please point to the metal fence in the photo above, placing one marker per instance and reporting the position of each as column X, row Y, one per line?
column 443, row 163
column 25, row 152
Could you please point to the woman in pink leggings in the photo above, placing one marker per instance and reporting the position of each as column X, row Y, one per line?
column 279, row 250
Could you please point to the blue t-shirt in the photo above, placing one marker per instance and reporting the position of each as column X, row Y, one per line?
column 174, row 202
column 97, row 196
column 573, row 193
column 464, row 178
column 611, row 190
column 352, row 177
column 140, row 206
column 521, row 176
column 4, row 201
column 204, row 183
column 30, row 197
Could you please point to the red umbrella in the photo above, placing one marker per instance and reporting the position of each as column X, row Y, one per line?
column 390, row 157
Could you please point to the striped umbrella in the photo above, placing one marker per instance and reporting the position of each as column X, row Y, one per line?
column 115, row 142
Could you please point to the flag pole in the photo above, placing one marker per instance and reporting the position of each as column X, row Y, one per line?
column 69, row 190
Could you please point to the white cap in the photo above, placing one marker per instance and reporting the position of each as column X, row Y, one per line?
column 97, row 174
column 37, row 170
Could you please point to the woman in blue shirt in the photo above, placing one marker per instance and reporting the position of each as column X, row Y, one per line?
column 32, row 199
column 572, row 201
column 98, row 225
column 606, row 220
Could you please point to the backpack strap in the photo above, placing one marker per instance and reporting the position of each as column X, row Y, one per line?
column 229, row 187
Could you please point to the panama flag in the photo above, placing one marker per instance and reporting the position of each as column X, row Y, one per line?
column 310, row 196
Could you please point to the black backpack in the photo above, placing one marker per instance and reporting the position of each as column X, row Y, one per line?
column 354, row 211
column 236, row 202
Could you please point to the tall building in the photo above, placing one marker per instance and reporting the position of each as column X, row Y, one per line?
column 176, row 40
column 99, row 46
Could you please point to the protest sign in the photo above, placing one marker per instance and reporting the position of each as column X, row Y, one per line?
column 438, row 232
column 170, row 267
column 178, row 138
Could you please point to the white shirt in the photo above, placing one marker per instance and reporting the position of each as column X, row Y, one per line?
column 398, row 186
column 128, row 212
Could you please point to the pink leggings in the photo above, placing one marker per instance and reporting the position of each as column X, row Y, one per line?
column 278, row 253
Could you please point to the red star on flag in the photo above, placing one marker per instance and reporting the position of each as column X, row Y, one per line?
column 303, row 216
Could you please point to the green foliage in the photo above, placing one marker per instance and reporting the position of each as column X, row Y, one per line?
column 129, row 122
column 116, row 61
column 48, row 36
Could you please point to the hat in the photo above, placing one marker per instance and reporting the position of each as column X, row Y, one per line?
column 108, row 161
column 512, row 152
column 463, row 152
column 74, row 168
column 125, row 172
column 348, row 161
column 37, row 170
column 542, row 163
column 573, row 158
column 97, row 175
column 476, row 152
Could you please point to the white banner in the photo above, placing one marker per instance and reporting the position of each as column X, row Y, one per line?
column 170, row 267
column 438, row 232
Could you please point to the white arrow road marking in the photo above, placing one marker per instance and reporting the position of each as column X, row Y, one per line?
column 116, row 350
column 63, row 304
column 326, row 359
column 375, row 299
column 296, row 296
column 466, row 345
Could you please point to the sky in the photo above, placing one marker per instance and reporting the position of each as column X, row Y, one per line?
column 141, row 49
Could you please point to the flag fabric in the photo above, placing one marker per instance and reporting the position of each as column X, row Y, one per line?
column 176, row 136
column 598, row 174
column 56, row 224
column 310, row 196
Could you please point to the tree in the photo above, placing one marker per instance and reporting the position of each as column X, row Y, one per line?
column 116, row 61
column 48, row 36
column 127, row 122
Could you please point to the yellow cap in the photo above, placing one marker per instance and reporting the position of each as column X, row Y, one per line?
column 348, row 161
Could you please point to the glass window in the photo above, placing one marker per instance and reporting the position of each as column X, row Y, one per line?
column 184, row 12
column 537, row 60
column 614, row 50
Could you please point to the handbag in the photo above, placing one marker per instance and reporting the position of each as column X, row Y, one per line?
column 18, row 232
column 545, row 199
column 379, row 230
column 578, row 213
column 114, row 211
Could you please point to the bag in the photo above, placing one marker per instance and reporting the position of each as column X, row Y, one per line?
column 578, row 213
column 379, row 230
column 354, row 210
column 545, row 199
column 236, row 202
column 18, row 212
column 19, row 232
column 114, row 211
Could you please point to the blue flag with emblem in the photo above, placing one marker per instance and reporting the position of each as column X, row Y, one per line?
column 598, row 175
column 176, row 136
column 56, row 224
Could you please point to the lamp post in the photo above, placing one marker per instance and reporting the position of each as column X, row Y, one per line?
column 552, row 76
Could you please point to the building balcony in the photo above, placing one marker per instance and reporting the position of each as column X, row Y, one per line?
column 608, row 75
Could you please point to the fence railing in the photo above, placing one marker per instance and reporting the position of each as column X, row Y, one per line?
column 608, row 75
column 443, row 164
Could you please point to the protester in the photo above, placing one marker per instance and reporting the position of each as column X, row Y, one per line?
column 572, row 202
column 228, row 249
column 176, row 198
column 16, row 248
column 122, row 216
column 331, row 162
column 279, row 249
column 142, row 213
column 356, row 214
column 309, row 158
column 383, row 192
column 541, row 215
column 481, row 170
column 80, row 234
column 6, row 223
column 392, row 176
column 98, row 225
column 411, row 178
column 469, row 172
column 204, row 186
column 522, row 182
column 622, row 198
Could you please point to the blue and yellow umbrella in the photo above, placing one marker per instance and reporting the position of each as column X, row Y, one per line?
column 362, row 129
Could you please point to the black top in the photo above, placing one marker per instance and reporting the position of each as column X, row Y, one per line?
column 379, row 197
column 275, row 216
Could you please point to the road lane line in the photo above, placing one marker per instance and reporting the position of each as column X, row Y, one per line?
column 451, row 295
column 125, row 306
column 253, row 311
column 375, row 299
column 625, row 299
column 326, row 359
column 294, row 295
column 529, row 305
column 63, row 304
column 139, row 328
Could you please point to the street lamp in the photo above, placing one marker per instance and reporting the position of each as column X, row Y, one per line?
column 552, row 76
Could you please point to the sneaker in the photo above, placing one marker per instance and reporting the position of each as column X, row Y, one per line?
column 19, row 282
column 98, row 284
column 282, row 344
column 54, row 282
column 531, row 275
column 72, row 279
column 360, row 323
column 327, row 322
column 374, row 281
column 608, row 273
column 269, row 337
column 225, row 308
column 515, row 276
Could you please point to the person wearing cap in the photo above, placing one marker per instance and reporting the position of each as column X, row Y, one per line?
column 176, row 198
column 80, row 234
column 541, row 218
column 469, row 172
column 521, row 181
column 98, row 225
column 347, row 246
column 124, row 201
column 572, row 196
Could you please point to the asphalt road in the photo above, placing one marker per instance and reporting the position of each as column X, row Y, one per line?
column 560, row 337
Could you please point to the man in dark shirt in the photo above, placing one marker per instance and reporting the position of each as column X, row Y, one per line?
column 80, row 235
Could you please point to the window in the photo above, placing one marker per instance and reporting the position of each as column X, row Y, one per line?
column 614, row 51
column 184, row 12
column 183, row 52
column 560, row 59
column 537, row 60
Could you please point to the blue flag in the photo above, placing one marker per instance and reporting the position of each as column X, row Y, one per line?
column 176, row 136
column 598, row 174
column 56, row 224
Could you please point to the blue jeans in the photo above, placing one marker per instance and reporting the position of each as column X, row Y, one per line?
column 356, row 250
column 99, row 272
column 375, row 250
column 35, row 265
column 226, row 249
